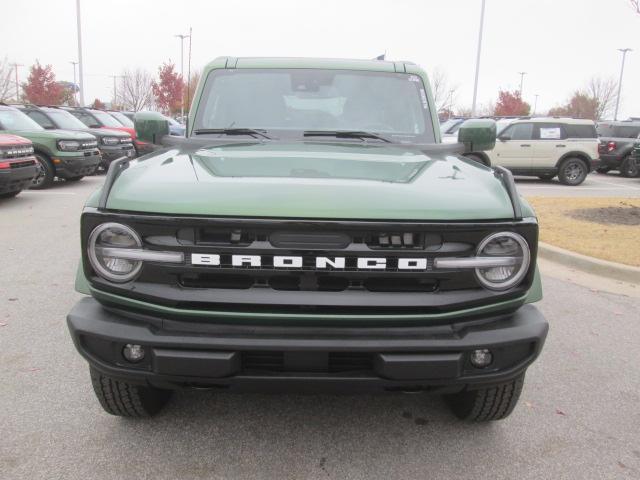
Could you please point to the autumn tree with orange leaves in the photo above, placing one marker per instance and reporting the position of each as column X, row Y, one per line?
column 41, row 87
column 168, row 89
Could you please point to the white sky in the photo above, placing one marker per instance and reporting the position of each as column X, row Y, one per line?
column 560, row 43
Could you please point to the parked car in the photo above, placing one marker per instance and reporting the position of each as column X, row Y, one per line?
column 616, row 142
column 17, row 165
column 288, row 243
column 546, row 147
column 449, row 129
column 127, row 119
column 100, row 119
column 59, row 153
column 111, row 143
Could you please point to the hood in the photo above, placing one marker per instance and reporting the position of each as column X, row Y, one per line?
column 8, row 139
column 56, row 134
column 129, row 130
column 103, row 132
column 312, row 180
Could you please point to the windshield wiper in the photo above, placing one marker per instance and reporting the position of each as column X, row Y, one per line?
column 345, row 134
column 233, row 131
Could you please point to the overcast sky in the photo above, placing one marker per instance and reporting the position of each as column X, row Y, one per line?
column 559, row 43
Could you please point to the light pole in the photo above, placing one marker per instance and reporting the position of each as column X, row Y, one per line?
column 522, row 74
column 535, row 104
column 16, row 65
column 74, row 81
column 450, row 103
column 624, row 55
column 182, row 37
column 475, row 85
column 115, row 96
column 80, row 53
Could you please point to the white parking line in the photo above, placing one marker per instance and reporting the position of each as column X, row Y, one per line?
column 633, row 187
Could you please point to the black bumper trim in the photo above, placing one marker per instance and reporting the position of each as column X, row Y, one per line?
column 425, row 357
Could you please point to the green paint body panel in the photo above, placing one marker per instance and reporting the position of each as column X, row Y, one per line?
column 44, row 141
column 312, row 180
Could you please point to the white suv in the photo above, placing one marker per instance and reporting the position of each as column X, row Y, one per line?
column 546, row 147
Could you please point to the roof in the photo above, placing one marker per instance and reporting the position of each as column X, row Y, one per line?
column 571, row 121
column 298, row 62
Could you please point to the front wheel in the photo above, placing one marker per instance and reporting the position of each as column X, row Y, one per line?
column 629, row 168
column 125, row 399
column 573, row 171
column 45, row 173
column 486, row 404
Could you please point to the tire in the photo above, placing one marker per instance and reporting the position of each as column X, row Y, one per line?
column 45, row 173
column 486, row 404
column 603, row 170
column 476, row 158
column 9, row 194
column 74, row 179
column 547, row 176
column 573, row 171
column 125, row 399
column 629, row 168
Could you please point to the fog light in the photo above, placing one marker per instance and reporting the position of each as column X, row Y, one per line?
column 481, row 358
column 133, row 353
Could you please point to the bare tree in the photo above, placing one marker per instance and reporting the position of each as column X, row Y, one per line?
column 444, row 94
column 135, row 90
column 603, row 91
column 7, row 87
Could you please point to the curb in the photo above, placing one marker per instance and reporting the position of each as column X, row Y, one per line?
column 594, row 266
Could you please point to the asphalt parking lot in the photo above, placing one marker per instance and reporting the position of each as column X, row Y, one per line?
column 578, row 416
column 596, row 185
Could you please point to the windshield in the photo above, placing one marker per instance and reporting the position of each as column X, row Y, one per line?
column 15, row 120
column 123, row 119
column 65, row 120
column 106, row 120
column 289, row 102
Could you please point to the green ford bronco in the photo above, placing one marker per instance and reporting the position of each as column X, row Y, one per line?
column 310, row 232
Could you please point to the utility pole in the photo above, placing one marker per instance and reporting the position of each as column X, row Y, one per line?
column 535, row 104
column 475, row 85
column 522, row 74
column 15, row 66
column 115, row 91
column 80, row 53
column 182, row 37
column 450, row 103
column 75, row 85
column 624, row 55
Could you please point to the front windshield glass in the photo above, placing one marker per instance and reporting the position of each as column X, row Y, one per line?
column 292, row 101
column 123, row 119
column 15, row 120
column 65, row 120
column 106, row 119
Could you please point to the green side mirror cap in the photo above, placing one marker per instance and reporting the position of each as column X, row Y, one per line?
column 477, row 134
column 151, row 127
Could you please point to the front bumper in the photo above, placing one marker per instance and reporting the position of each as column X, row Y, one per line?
column 77, row 164
column 111, row 153
column 181, row 353
column 18, row 177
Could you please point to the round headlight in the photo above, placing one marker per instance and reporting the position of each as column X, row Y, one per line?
column 68, row 145
column 110, row 236
column 110, row 140
column 511, row 247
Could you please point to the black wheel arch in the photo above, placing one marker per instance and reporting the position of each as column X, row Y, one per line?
column 575, row 154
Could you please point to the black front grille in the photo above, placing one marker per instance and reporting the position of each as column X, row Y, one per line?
column 305, row 287
column 318, row 362
column 22, row 164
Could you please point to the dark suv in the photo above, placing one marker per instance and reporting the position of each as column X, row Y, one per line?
column 111, row 143
column 616, row 143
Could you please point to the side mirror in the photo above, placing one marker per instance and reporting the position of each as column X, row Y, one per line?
column 151, row 127
column 504, row 138
column 477, row 134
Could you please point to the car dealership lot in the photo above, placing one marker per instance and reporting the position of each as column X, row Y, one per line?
column 578, row 416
